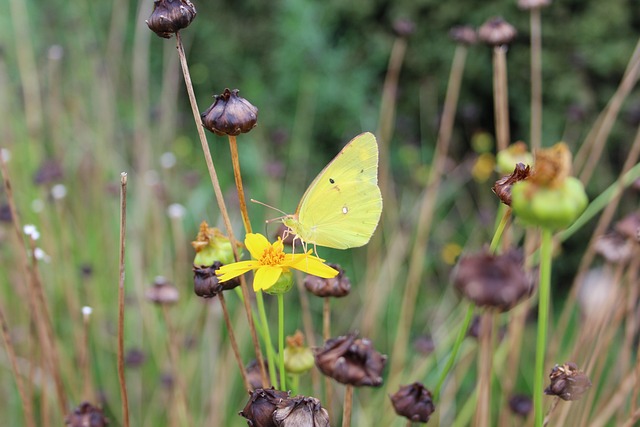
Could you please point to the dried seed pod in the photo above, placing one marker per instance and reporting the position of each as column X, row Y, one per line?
column 170, row 16
column 211, row 245
column 262, row 404
column 497, row 32
column 230, row 114
column 521, row 405
column 337, row 287
column 496, row 281
column 533, row 4
column 50, row 171
column 502, row 187
column 614, row 247
column 86, row 415
column 424, row 344
column 403, row 27
column 301, row 411
column 254, row 375
column 629, row 226
column 134, row 358
column 162, row 292
column 414, row 402
column 206, row 283
column 567, row 382
column 351, row 360
column 464, row 34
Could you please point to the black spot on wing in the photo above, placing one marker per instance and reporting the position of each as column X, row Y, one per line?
column 331, row 180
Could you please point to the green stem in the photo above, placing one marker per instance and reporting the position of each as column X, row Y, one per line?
column 267, row 339
column 281, row 341
column 295, row 381
column 497, row 236
column 454, row 352
column 543, row 312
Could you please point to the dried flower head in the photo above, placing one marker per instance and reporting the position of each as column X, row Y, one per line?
column 533, row 4
column 230, row 114
column 162, row 292
column 614, row 247
column 301, row 411
column 552, row 166
column 298, row 358
column 567, row 382
column 170, row 16
column 403, row 27
column 337, row 287
column 134, row 358
column 414, row 402
column 262, row 404
column 502, row 187
column 496, row 281
column 521, row 405
column 86, row 415
column 207, row 285
column 211, row 245
column 254, row 375
column 497, row 32
column 464, row 34
column 351, row 360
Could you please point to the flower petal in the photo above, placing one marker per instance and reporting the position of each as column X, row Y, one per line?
column 265, row 277
column 229, row 271
column 313, row 265
column 256, row 243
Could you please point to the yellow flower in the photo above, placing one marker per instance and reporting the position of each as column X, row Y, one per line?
column 270, row 261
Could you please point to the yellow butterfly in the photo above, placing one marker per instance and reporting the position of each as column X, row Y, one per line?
column 342, row 206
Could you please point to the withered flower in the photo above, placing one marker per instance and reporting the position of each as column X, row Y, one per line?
column 464, row 34
column 301, row 411
column 414, row 401
column 496, row 32
column 629, row 226
column 211, row 245
column 351, row 360
column 262, row 404
column 337, row 287
column 170, row 16
column 496, row 281
column 614, row 247
column 206, row 283
column 86, row 415
column 230, row 114
column 162, row 292
column 567, row 382
column 502, row 187
column 521, row 405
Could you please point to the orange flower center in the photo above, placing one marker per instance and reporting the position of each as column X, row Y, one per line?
column 272, row 257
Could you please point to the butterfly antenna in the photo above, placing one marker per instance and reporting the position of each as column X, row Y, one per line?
column 270, row 207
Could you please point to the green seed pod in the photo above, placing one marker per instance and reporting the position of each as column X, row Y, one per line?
column 549, row 207
column 516, row 153
column 211, row 245
column 282, row 285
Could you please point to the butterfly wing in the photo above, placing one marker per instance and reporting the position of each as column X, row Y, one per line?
column 342, row 206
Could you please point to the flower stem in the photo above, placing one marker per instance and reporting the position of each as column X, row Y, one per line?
column 281, row 341
column 536, row 79
column 267, row 338
column 348, row 402
column 220, row 199
column 233, row 341
column 500, row 96
column 543, row 311
column 235, row 160
column 123, row 227
column 295, row 381
column 500, row 229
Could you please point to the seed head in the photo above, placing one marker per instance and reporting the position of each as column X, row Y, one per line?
column 86, row 415
column 515, row 153
column 162, row 292
column 337, row 287
column 614, row 247
column 497, row 32
column 230, row 114
column 403, row 27
column 301, row 411
column 464, row 34
column 206, row 283
column 533, row 4
column 170, row 16
column 262, row 404
column 211, row 245
column 567, row 382
column 414, row 402
column 629, row 226
column 351, row 360
column 521, row 405
column 298, row 358
column 254, row 375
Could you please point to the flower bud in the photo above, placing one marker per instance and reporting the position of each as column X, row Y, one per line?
column 464, row 34
column 230, row 114
column 351, row 360
column 338, row 286
column 206, row 283
column 502, row 187
column 414, row 402
column 86, row 415
column 211, row 245
column 567, row 382
column 301, row 411
column 496, row 32
column 262, row 404
column 282, row 285
column 521, row 405
column 162, row 292
column 512, row 155
column 170, row 16
column 298, row 358
column 497, row 281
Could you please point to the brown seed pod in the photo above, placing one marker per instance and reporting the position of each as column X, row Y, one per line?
column 262, row 404
column 301, row 411
column 170, row 16
column 568, row 382
column 86, row 415
column 206, row 283
column 502, row 187
column 162, row 292
column 496, row 32
column 464, row 34
column 414, row 402
column 230, row 114
column 521, row 405
column 337, row 287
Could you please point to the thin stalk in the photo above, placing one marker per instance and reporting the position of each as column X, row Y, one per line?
column 234, row 342
column 123, row 227
column 544, row 301
column 326, row 334
column 295, row 383
column 483, row 408
column 221, row 204
column 348, row 403
column 85, row 364
column 536, row 79
column 267, row 339
column 181, row 389
column 501, row 96
column 307, row 323
column 495, row 241
column 425, row 220
column 11, row 354
column 283, row 384
column 235, row 160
